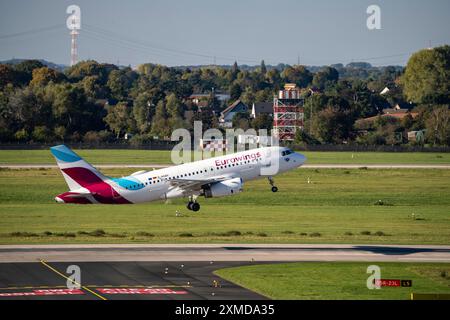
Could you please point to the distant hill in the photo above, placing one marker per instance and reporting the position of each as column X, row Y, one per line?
column 59, row 67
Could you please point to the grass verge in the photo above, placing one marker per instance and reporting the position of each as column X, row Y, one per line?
column 338, row 281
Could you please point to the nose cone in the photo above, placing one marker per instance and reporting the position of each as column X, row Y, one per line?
column 300, row 159
column 59, row 200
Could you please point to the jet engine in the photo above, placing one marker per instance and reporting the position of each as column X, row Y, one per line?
column 223, row 188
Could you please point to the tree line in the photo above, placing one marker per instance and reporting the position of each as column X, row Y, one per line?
column 100, row 102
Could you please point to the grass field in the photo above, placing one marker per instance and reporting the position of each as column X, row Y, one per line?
column 338, row 206
column 343, row 281
column 163, row 157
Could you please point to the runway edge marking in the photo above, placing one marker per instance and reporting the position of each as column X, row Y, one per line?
column 73, row 281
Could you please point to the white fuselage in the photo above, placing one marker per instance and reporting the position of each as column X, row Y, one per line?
column 247, row 165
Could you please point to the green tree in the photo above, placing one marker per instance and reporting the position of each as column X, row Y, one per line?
column 22, row 135
column 118, row 118
column 25, row 69
column 332, row 125
column 241, row 120
column 143, row 111
column 67, row 104
column 262, row 121
column 274, row 78
column 174, row 109
column 234, row 71
column 207, row 117
column 93, row 88
column 427, row 76
column 90, row 68
column 28, row 66
column 235, row 92
column 60, row 132
column 248, row 96
column 407, row 121
column 120, row 83
column 298, row 75
column 213, row 103
column 29, row 110
column 324, row 77
column 303, row 138
column 263, row 68
column 42, row 134
column 8, row 76
column 160, row 126
column 438, row 126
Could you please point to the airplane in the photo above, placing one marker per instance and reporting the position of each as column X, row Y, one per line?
column 211, row 178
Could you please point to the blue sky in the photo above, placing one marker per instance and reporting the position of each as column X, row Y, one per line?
column 180, row 32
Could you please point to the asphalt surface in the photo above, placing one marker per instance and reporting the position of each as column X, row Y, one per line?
column 120, row 280
column 171, row 271
column 223, row 252
column 306, row 166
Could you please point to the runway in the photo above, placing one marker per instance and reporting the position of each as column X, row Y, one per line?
column 223, row 253
column 306, row 166
column 169, row 272
column 120, row 280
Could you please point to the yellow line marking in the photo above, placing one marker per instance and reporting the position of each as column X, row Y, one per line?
column 73, row 281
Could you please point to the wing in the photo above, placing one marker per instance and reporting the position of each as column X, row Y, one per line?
column 194, row 185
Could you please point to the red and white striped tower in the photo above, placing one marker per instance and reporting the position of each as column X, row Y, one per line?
column 73, row 23
column 288, row 113
column 74, row 47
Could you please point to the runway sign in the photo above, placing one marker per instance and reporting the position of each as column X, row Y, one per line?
column 393, row 283
column 139, row 291
column 46, row 292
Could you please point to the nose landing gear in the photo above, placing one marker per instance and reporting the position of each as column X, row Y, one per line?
column 272, row 183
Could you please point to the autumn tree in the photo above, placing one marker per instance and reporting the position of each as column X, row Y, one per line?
column 42, row 76
column 427, row 76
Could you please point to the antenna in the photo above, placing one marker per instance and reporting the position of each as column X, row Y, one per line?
column 73, row 23
column 73, row 48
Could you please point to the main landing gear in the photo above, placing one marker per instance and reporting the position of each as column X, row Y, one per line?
column 193, row 205
column 272, row 183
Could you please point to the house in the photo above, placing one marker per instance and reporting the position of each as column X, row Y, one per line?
column 262, row 108
column 227, row 115
column 398, row 112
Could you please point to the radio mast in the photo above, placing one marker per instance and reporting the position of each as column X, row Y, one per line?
column 73, row 24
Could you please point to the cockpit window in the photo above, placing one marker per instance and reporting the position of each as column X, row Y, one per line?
column 287, row 152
